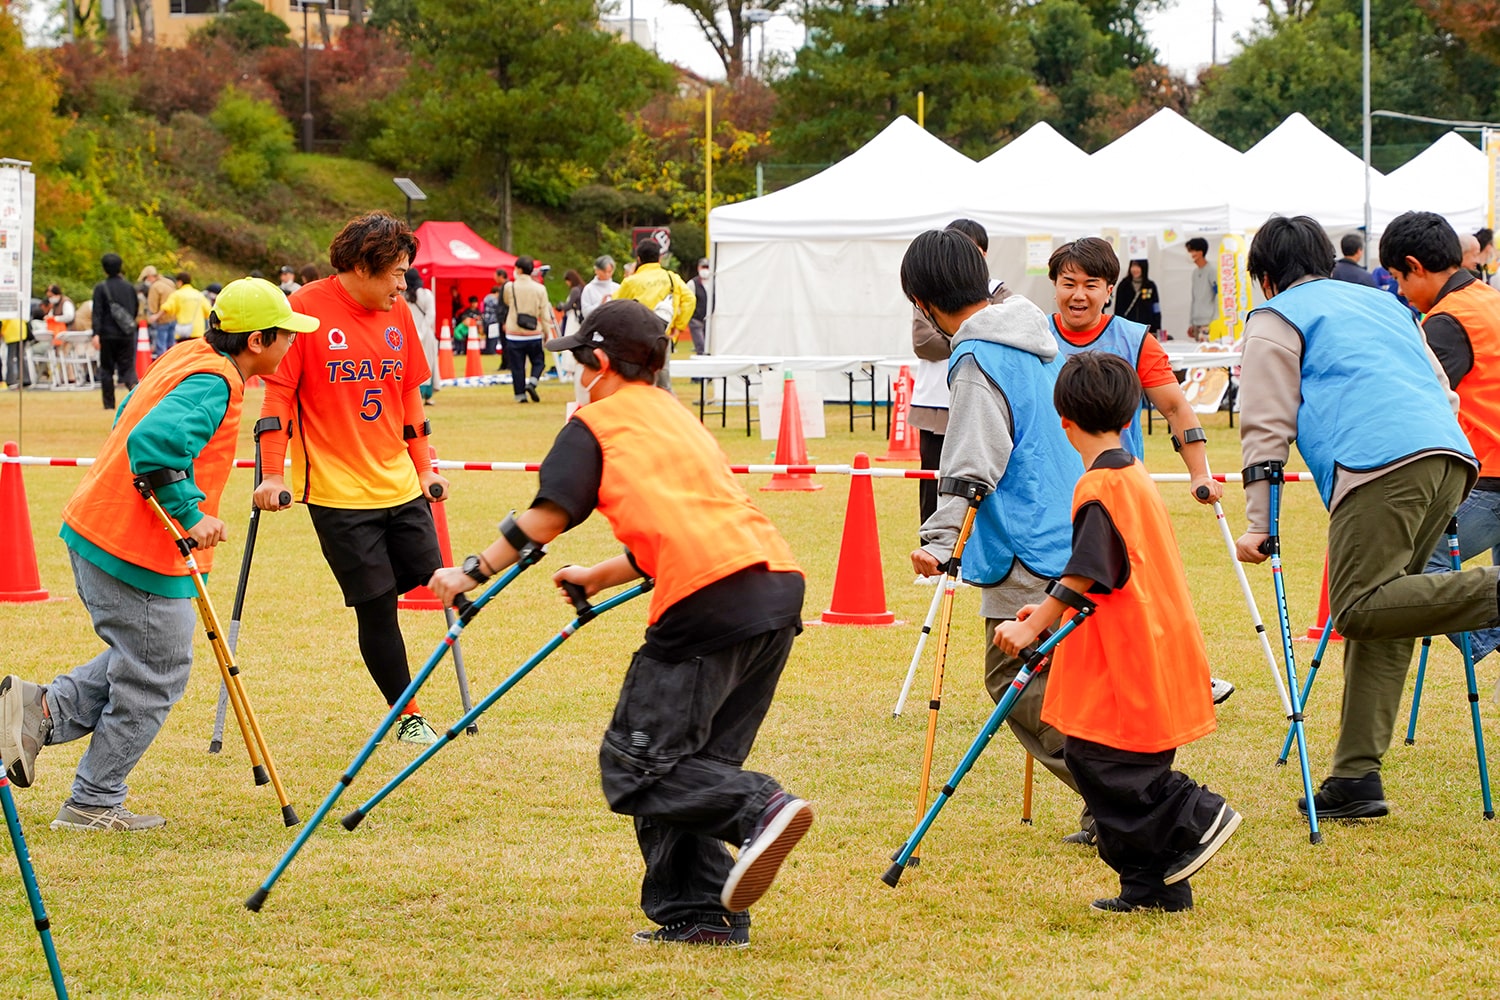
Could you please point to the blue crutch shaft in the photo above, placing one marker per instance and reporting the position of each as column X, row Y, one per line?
column 1416, row 694
column 986, row 733
column 586, row 614
column 1456, row 559
column 528, row 557
column 1312, row 673
column 33, row 891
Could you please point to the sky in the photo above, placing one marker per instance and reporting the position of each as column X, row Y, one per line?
column 1182, row 34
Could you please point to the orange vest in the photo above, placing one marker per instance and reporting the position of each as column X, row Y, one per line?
column 669, row 496
column 1476, row 306
column 107, row 510
column 1134, row 676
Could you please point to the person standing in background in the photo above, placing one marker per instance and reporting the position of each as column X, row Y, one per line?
column 158, row 287
column 698, row 325
column 423, row 306
column 528, row 322
column 1350, row 267
column 1138, row 299
column 115, row 307
column 1204, row 307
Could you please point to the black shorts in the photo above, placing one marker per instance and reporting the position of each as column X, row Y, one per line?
column 372, row 552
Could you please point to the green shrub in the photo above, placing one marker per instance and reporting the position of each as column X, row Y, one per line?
column 260, row 141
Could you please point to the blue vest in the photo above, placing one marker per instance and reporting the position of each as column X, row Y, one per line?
column 1369, row 394
column 1028, row 516
column 1122, row 338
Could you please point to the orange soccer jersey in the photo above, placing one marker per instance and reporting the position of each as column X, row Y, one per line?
column 350, row 394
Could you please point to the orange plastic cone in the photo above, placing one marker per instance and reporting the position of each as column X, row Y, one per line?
column 791, row 447
column 859, row 586
column 903, row 445
column 1315, row 631
column 445, row 353
column 420, row 598
column 19, row 580
column 142, row 351
column 473, row 363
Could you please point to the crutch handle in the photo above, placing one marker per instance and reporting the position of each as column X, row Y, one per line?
column 435, row 491
column 579, row 598
column 1267, row 547
column 1202, row 493
column 284, row 497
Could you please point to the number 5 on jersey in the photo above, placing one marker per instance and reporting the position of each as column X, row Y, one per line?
column 370, row 406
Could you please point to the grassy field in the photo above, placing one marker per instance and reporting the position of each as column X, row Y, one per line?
column 498, row 871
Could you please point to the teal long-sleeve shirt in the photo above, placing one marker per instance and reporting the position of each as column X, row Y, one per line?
column 169, row 437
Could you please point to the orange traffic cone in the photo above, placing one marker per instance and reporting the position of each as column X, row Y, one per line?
column 791, row 447
column 1315, row 631
column 142, row 351
column 420, row 598
column 903, row 445
column 445, row 353
column 19, row 580
column 473, row 363
column 859, row 586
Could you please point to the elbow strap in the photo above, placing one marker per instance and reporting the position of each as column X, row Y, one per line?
column 1271, row 471
column 265, row 424
column 514, row 534
column 970, row 489
column 410, row 433
column 1190, row 436
column 148, row 483
column 1069, row 596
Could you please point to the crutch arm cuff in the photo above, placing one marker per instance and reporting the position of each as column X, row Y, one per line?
column 528, row 550
column 1069, row 596
column 410, row 433
column 1190, row 436
column 971, row 490
column 265, row 424
column 148, row 483
column 1262, row 472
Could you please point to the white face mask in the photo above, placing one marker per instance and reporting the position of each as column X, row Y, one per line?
column 578, row 381
column 703, row 272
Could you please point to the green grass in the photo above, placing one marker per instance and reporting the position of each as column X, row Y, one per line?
column 498, row 871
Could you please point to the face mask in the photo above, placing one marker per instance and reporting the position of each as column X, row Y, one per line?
column 578, row 381
column 703, row 272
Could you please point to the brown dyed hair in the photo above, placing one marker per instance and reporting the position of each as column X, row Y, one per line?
column 374, row 242
column 1091, row 255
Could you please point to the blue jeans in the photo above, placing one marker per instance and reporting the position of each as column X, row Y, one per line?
column 1478, row 529
column 163, row 336
column 121, row 696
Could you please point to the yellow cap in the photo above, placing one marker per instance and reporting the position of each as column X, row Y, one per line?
column 251, row 304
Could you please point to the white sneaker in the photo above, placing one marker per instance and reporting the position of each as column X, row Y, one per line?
column 415, row 729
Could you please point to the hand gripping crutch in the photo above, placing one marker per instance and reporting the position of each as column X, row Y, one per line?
column 1274, row 473
column 585, row 614
column 216, row 742
column 33, row 891
column 973, row 492
column 528, row 555
column 1083, row 608
column 1455, row 556
column 261, row 766
column 943, row 589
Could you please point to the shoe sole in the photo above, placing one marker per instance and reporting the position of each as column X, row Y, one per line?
column 12, row 719
column 61, row 824
column 756, row 868
column 1364, row 809
column 1221, row 835
column 1229, row 690
column 645, row 938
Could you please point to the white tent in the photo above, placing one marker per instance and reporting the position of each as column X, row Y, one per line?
column 1450, row 177
column 1298, row 169
column 814, row 269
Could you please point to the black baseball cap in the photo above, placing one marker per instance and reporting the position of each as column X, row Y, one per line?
column 624, row 330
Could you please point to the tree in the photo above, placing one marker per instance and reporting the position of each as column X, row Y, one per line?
column 723, row 24
column 862, row 65
column 247, row 26
column 498, row 85
column 1078, row 65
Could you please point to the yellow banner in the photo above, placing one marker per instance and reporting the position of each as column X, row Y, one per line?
column 1234, row 289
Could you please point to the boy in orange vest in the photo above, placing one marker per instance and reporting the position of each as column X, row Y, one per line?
column 1131, row 686
column 179, row 429
column 726, row 606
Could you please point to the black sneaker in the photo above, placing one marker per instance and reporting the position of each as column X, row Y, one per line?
column 1224, row 825
column 1349, row 798
column 781, row 824
column 1117, row 905
column 531, row 390
column 1083, row 838
column 696, row 932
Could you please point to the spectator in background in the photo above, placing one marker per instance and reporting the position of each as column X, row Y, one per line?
column 114, row 328
column 289, row 282
column 186, row 307
column 698, row 325
column 661, row 291
column 1205, row 281
column 57, row 310
column 572, row 305
column 470, row 320
column 492, row 313
column 423, row 306
column 211, row 292
column 308, row 273
column 601, row 289
column 158, row 287
column 1138, row 299
column 16, row 334
column 1350, row 267
column 528, row 322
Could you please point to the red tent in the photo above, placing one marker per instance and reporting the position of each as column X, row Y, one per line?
column 456, row 263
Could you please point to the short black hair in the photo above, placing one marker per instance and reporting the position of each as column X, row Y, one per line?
column 1091, row 255
column 1351, row 244
column 1098, row 391
column 1423, row 235
column 945, row 269
column 1199, row 244
column 1486, row 238
column 1287, row 250
column 112, row 264
column 648, row 251
column 525, row 265
column 973, row 231
column 234, row 344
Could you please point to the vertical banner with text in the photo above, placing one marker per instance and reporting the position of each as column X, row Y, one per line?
column 17, row 218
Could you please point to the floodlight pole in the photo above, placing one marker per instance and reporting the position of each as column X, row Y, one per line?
column 307, row 118
column 1366, row 54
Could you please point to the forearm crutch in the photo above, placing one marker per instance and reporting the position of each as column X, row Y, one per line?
column 1274, row 474
column 1083, row 608
column 33, row 891
column 1312, row 675
column 585, row 614
column 1455, row 557
column 526, row 557
column 262, row 768
column 216, row 742
column 938, row 593
column 974, row 493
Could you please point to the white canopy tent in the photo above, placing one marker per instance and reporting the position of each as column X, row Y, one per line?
column 1450, row 177
column 1298, row 169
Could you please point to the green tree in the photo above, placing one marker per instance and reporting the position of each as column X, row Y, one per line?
column 864, row 64
column 497, row 85
column 725, row 27
column 1079, row 67
column 247, row 25
column 259, row 140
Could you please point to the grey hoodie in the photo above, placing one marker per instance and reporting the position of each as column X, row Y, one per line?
column 979, row 439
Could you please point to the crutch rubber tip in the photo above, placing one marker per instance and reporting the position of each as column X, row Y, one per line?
column 1489, row 814
column 214, row 746
column 289, row 815
column 472, row 729
column 1316, row 837
column 1411, row 742
column 261, row 777
column 352, row 820
column 1281, row 762
column 1025, row 822
column 893, row 874
column 257, row 899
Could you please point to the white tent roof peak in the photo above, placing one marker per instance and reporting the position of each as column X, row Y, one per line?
column 1330, row 180
column 1166, row 135
column 1450, row 177
column 1040, row 142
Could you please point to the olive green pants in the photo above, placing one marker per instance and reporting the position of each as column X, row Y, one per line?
column 1379, row 538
